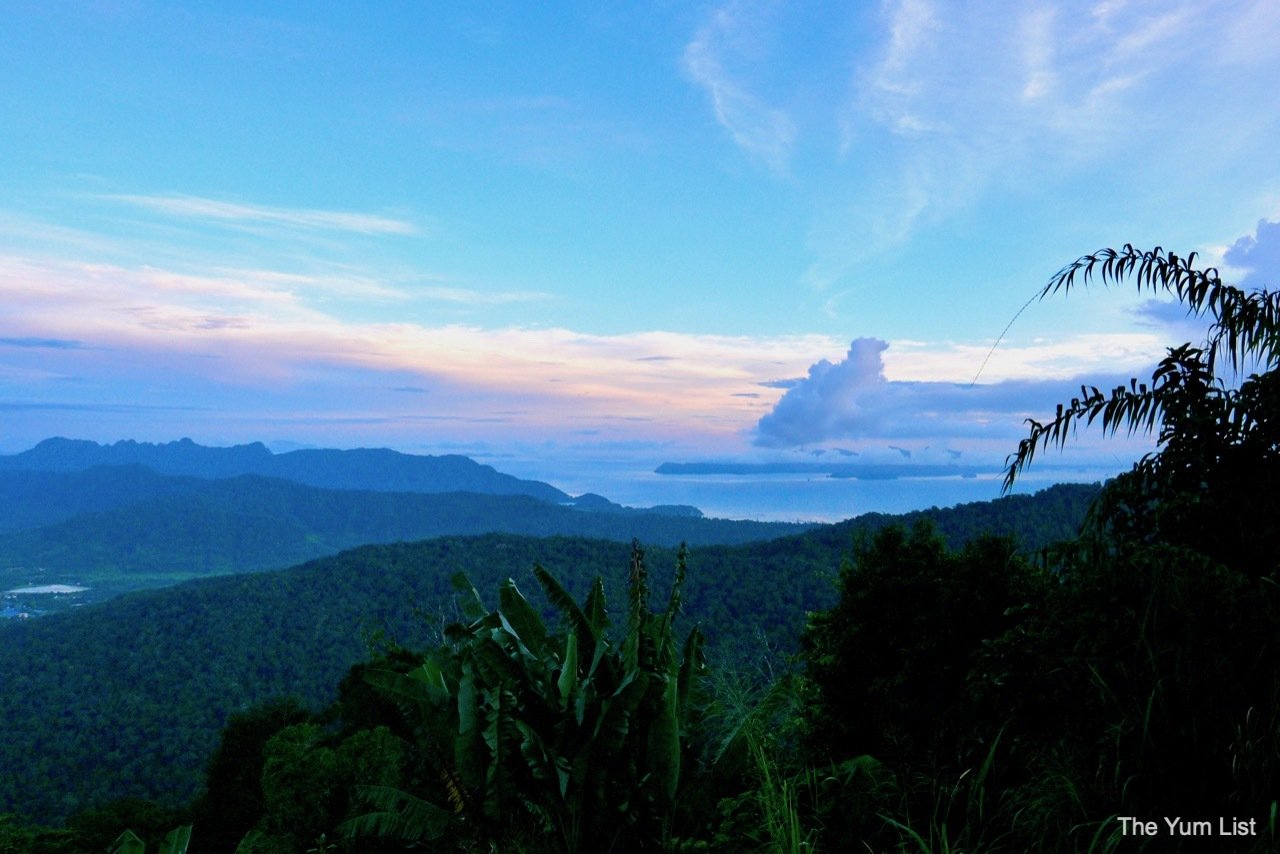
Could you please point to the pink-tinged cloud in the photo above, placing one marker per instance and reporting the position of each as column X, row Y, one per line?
column 251, row 342
column 257, row 333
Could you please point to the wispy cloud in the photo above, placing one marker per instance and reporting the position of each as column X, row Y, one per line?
column 765, row 132
column 233, row 212
column 465, row 296
column 898, row 80
column 228, row 332
column 117, row 408
column 979, row 99
column 1051, row 359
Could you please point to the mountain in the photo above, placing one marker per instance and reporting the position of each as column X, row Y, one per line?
column 178, row 528
column 364, row 468
column 128, row 697
column 31, row 498
column 133, row 515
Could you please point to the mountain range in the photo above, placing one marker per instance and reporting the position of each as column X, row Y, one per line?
column 376, row 469
column 133, row 515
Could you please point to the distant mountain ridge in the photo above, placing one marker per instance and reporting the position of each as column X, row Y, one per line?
column 175, row 527
column 132, row 515
column 378, row 470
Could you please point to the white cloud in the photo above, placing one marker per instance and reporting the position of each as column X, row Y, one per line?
column 1049, row 359
column 853, row 401
column 912, row 26
column 1038, row 50
column 464, row 296
column 764, row 132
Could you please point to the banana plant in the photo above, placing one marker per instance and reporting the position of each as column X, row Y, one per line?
column 566, row 731
column 174, row 842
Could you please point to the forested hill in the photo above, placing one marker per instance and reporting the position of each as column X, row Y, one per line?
column 32, row 498
column 364, row 468
column 128, row 697
column 191, row 527
column 106, row 518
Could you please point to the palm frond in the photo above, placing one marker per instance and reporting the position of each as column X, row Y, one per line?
column 1245, row 324
column 1136, row 407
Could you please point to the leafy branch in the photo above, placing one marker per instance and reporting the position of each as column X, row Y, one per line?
column 1184, row 387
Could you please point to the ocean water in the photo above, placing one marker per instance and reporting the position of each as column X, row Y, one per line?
column 787, row 497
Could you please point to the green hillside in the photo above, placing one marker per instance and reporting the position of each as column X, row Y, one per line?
column 128, row 697
column 194, row 528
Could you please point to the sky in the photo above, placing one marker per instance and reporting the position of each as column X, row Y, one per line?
column 577, row 241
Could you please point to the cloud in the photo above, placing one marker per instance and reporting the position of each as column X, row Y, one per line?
column 41, row 343
column 853, row 400
column 764, row 132
column 224, row 333
column 164, row 338
column 897, row 81
column 213, row 209
column 1172, row 318
column 127, row 408
column 956, row 102
column 1259, row 255
column 464, row 296
column 1054, row 359
column 833, row 401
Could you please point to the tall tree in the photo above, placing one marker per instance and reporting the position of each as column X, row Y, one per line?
column 1213, row 484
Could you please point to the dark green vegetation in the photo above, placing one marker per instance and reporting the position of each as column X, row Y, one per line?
column 1132, row 671
column 953, row 696
column 139, row 687
column 572, row 735
column 212, row 527
column 115, row 528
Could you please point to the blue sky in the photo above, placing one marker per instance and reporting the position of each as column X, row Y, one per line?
column 575, row 240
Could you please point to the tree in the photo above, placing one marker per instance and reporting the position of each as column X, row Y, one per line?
column 1213, row 484
column 886, row 667
column 233, row 800
column 1162, row 615
column 1134, row 670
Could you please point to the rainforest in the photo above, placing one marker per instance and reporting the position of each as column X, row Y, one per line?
column 1082, row 669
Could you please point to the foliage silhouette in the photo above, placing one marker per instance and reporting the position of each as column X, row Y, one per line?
column 532, row 735
column 1133, row 670
column 1185, row 394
